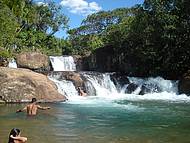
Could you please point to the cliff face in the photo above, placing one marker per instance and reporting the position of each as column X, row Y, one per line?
column 106, row 59
column 20, row 85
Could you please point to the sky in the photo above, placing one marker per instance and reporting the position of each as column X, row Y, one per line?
column 77, row 10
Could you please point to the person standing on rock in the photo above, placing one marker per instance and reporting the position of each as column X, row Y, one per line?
column 32, row 108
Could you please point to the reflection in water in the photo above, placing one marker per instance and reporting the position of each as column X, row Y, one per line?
column 137, row 121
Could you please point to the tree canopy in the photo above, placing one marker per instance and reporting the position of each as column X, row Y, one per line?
column 26, row 25
column 155, row 33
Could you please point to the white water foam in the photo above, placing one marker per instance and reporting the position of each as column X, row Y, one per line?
column 164, row 85
column 63, row 63
column 103, row 85
column 107, row 94
column 12, row 64
column 65, row 88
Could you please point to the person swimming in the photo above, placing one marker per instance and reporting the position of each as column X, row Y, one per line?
column 14, row 136
column 32, row 108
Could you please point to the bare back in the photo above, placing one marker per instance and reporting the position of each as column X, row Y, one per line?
column 32, row 109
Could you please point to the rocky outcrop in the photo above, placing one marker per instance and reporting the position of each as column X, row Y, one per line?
column 3, row 62
column 75, row 77
column 79, row 62
column 117, row 59
column 119, row 79
column 101, row 60
column 33, row 61
column 184, row 84
column 21, row 85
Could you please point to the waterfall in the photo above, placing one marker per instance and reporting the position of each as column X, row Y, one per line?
column 157, row 84
column 65, row 87
column 63, row 63
column 101, row 86
column 12, row 64
column 101, row 83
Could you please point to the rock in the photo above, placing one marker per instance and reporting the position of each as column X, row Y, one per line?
column 21, row 85
column 1, row 100
column 149, row 88
column 184, row 84
column 119, row 79
column 144, row 90
column 76, row 78
column 131, row 88
column 78, row 61
column 33, row 61
column 3, row 62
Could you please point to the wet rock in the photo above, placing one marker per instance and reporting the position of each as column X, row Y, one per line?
column 131, row 88
column 21, row 85
column 149, row 88
column 119, row 79
column 144, row 90
column 77, row 79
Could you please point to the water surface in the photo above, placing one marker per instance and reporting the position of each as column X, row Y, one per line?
column 120, row 121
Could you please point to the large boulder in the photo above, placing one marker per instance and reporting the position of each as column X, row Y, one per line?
column 21, row 85
column 75, row 77
column 33, row 61
column 184, row 84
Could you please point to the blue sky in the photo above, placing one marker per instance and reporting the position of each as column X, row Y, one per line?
column 77, row 10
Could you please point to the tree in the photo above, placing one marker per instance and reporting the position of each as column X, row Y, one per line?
column 8, row 26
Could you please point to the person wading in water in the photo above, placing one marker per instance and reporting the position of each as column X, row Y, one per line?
column 32, row 108
column 14, row 136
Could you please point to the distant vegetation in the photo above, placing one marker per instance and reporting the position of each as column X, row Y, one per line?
column 156, row 33
column 28, row 26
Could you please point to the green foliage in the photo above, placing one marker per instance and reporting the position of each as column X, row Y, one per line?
column 27, row 26
column 155, row 34
column 8, row 25
column 5, row 54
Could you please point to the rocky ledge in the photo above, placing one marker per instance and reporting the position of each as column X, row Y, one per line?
column 21, row 85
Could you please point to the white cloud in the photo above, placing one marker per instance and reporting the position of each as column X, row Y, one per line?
column 39, row 3
column 81, row 6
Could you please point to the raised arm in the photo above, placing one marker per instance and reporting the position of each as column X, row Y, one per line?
column 21, row 110
column 43, row 108
column 23, row 139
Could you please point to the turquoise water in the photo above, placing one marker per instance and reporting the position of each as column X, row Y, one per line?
column 120, row 121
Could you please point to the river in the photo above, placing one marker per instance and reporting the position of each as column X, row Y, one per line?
column 98, row 121
column 108, row 115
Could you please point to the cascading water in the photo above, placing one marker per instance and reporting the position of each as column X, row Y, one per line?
column 12, row 64
column 63, row 63
column 65, row 87
column 100, row 85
